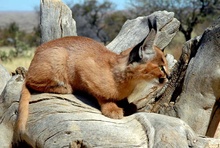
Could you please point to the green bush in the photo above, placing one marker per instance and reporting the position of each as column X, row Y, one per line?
column 4, row 56
column 20, row 40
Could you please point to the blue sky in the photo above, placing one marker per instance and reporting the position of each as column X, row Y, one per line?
column 29, row 5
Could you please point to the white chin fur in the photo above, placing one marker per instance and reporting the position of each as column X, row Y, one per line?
column 143, row 89
column 170, row 61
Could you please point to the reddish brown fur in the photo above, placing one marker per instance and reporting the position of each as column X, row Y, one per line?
column 77, row 63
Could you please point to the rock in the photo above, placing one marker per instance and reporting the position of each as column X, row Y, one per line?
column 134, row 31
column 56, row 20
column 59, row 120
column 66, row 120
column 198, row 100
column 69, row 120
column 4, row 77
column 8, row 109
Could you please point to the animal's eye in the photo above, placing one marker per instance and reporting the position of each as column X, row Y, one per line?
column 161, row 67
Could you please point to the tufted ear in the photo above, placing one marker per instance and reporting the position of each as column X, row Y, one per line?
column 143, row 51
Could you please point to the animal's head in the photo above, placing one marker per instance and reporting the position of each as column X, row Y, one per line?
column 149, row 60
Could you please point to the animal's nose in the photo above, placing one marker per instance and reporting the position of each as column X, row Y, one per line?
column 169, row 77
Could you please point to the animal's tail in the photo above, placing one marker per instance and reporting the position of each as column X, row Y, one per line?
column 22, row 112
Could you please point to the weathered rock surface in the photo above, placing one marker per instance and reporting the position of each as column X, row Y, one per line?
column 70, row 121
column 198, row 102
column 4, row 77
column 134, row 31
column 56, row 20
column 76, row 121
column 6, row 132
column 8, row 115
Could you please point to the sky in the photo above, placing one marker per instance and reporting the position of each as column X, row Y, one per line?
column 30, row 5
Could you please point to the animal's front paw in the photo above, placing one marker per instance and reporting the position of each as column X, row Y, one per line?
column 20, row 71
column 111, row 110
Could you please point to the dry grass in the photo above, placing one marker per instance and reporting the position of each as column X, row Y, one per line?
column 26, row 22
column 18, row 62
column 23, row 61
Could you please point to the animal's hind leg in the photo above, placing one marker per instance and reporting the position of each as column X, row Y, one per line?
column 59, row 87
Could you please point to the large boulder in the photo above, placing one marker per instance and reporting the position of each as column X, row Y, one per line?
column 198, row 100
column 75, row 120
column 4, row 77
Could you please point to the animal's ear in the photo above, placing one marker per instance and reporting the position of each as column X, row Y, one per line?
column 144, row 50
